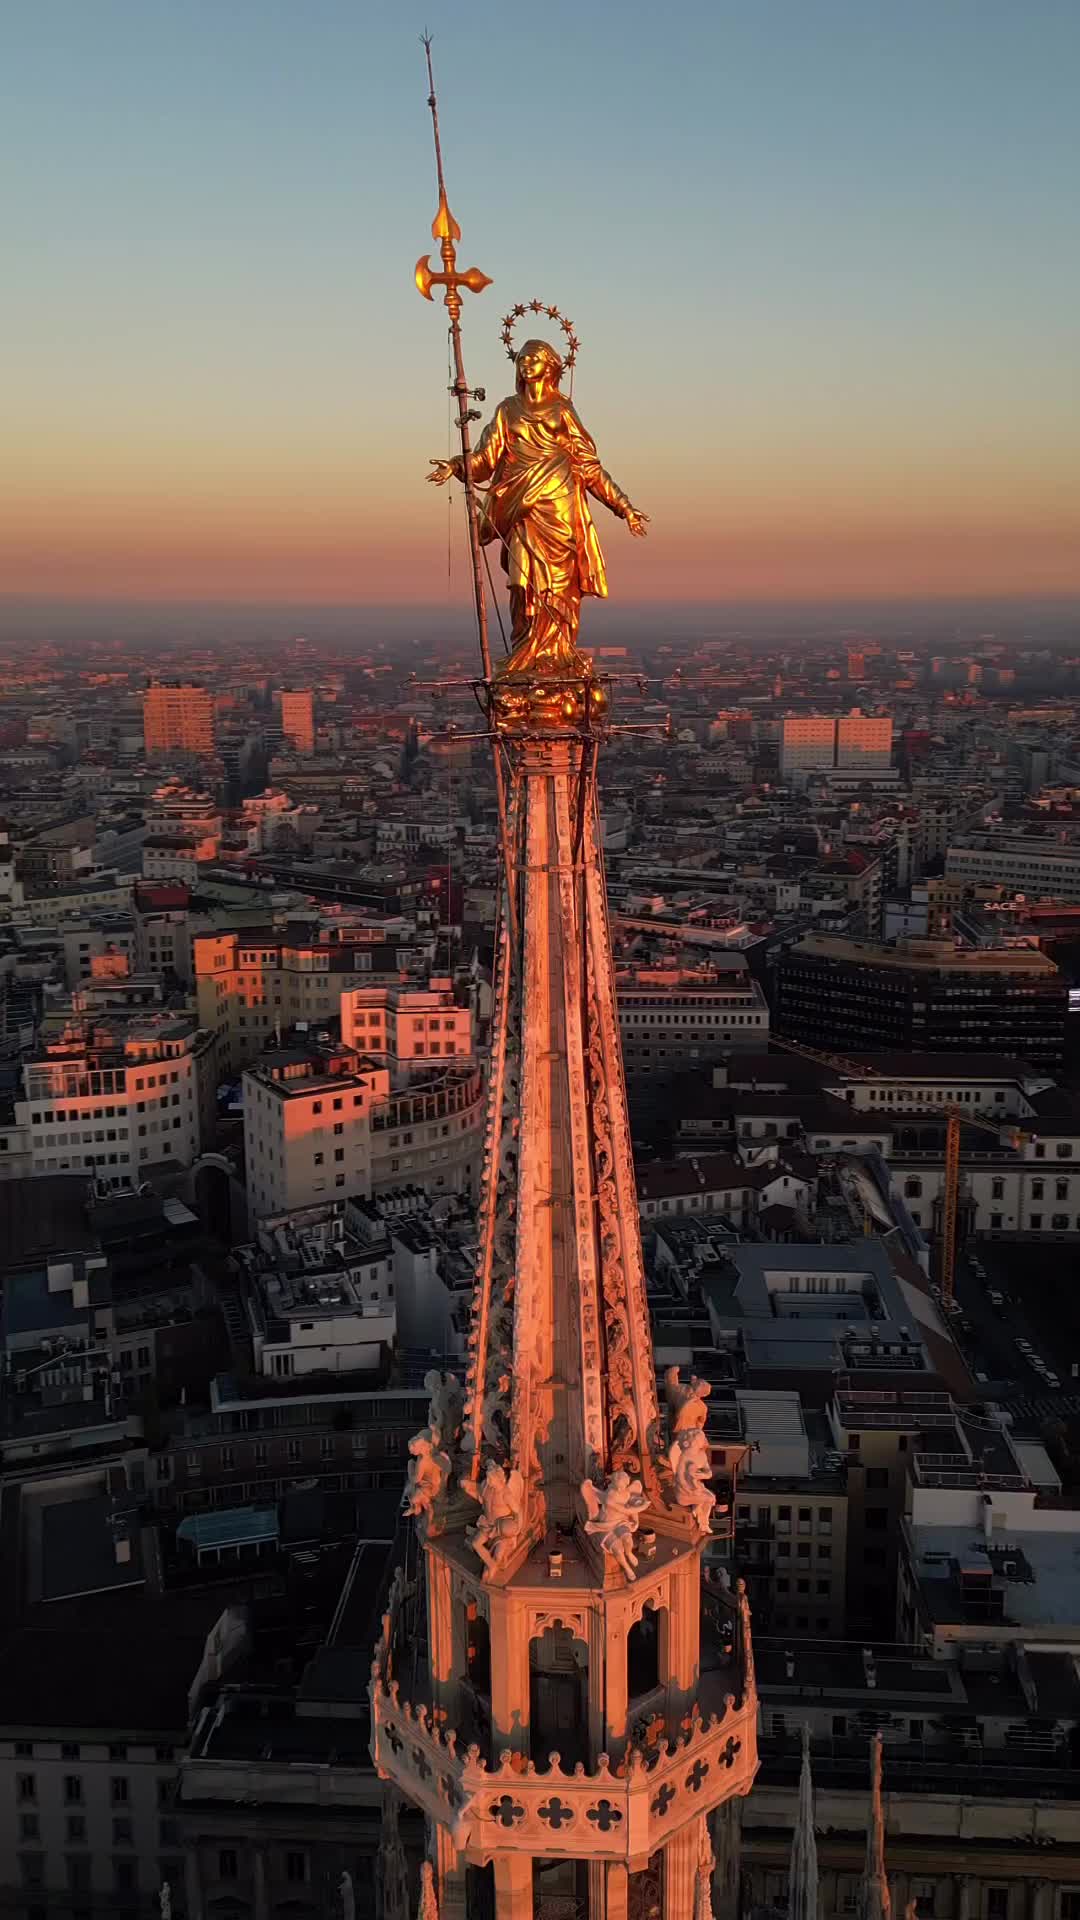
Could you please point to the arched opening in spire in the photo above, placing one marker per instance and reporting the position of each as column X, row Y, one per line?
column 478, row 1652
column 643, row 1655
column 558, row 1696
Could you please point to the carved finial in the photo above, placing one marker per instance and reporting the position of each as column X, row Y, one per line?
column 428, row 1907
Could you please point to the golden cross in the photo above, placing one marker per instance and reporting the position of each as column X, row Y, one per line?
column 445, row 229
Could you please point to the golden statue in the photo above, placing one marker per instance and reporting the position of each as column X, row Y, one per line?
column 540, row 465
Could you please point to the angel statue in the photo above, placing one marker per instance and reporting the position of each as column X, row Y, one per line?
column 614, row 1513
column 540, row 465
column 691, row 1466
column 502, row 1514
column 429, row 1471
column 686, row 1402
column 447, row 1401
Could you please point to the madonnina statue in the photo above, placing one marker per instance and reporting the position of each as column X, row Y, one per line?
column 540, row 465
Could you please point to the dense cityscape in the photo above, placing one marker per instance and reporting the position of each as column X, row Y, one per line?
column 246, row 1012
column 540, row 962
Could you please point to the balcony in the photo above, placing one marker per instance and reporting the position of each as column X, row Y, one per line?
column 621, row 1809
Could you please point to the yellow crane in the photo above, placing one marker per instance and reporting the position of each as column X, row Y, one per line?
column 955, row 1116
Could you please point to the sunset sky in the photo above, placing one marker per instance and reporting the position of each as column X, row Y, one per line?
column 823, row 255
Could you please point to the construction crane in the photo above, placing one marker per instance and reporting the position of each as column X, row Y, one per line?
column 955, row 1117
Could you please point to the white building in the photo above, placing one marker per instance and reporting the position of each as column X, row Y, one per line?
column 320, row 1125
column 824, row 740
column 807, row 740
column 307, row 1128
column 672, row 1016
column 405, row 1022
column 318, row 1299
column 863, row 739
column 115, row 1099
column 1043, row 868
column 983, row 1561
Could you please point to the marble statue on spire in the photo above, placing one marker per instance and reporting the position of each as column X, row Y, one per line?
column 804, row 1893
column 875, row 1900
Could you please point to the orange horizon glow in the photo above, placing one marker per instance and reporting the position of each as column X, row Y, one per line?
column 823, row 264
column 81, row 550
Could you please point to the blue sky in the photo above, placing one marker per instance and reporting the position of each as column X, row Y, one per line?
column 824, row 258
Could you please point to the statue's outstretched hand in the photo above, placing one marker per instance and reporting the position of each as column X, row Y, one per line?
column 637, row 522
column 443, row 471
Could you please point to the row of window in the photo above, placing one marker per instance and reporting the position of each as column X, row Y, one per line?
column 26, row 1785
column 125, row 1874
column 75, row 1830
column 391, row 1442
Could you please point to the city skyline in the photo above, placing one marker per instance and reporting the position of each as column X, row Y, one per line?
column 860, row 322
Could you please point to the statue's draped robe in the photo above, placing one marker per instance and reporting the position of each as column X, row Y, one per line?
column 541, row 465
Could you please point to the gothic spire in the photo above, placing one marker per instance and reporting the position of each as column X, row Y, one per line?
column 875, row 1902
column 803, row 1891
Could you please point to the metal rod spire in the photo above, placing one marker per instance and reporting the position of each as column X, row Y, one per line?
column 446, row 231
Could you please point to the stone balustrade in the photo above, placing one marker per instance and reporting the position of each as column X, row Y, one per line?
column 619, row 1813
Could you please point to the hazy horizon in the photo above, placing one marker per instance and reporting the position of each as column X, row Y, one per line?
column 1040, row 619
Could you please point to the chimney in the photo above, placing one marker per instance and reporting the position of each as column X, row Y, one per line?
column 987, row 1518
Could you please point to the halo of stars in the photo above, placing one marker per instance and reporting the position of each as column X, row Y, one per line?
column 539, row 306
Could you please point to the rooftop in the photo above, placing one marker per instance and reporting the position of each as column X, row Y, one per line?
column 45, row 1216
column 927, row 956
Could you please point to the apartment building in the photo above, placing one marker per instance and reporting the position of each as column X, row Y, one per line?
column 115, row 1097
column 921, row 995
column 987, row 1547
column 178, row 716
column 809, row 741
column 1041, row 866
column 864, row 740
column 318, row 1299
column 307, row 1127
column 298, row 718
column 671, row 1016
column 252, row 982
column 791, row 1516
column 405, row 1022
column 183, row 834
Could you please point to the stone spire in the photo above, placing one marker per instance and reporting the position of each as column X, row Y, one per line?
column 561, row 1381
column 566, row 1734
column 803, row 1889
column 563, row 1741
column 875, row 1901
column 392, row 1886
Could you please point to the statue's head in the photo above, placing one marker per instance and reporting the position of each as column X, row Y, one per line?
column 538, row 360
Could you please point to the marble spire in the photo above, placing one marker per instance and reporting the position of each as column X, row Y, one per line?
column 803, row 1890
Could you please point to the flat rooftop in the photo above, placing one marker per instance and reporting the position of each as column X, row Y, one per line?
column 43, row 1217
column 928, row 956
column 1044, row 1592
